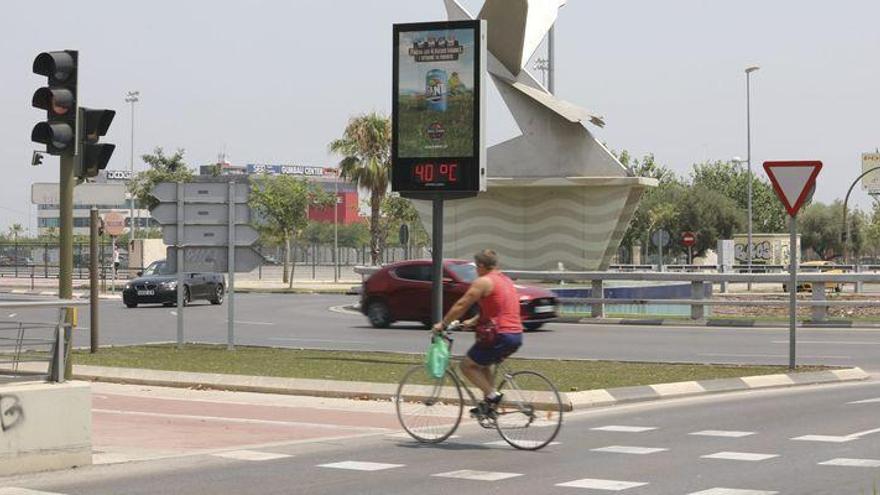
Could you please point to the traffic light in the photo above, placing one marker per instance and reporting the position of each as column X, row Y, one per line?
column 58, row 98
column 93, row 124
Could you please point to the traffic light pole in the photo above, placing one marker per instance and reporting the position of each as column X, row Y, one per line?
column 93, row 279
column 65, row 277
column 437, row 261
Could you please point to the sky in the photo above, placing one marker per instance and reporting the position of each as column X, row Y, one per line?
column 276, row 81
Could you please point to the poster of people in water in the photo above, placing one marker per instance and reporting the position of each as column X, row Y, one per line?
column 436, row 93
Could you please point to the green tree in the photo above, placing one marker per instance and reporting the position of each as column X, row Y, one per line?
column 162, row 169
column 15, row 231
column 365, row 146
column 396, row 211
column 820, row 226
column 282, row 203
column 652, row 212
column 768, row 215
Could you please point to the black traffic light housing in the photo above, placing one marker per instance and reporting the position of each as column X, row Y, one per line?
column 58, row 98
column 93, row 124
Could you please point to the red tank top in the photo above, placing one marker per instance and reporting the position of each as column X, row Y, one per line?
column 501, row 305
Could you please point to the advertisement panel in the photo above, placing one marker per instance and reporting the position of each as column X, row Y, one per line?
column 438, row 113
column 871, row 181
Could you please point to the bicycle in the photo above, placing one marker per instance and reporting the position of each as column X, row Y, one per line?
column 430, row 409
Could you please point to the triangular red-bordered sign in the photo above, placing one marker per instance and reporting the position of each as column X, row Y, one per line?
column 793, row 182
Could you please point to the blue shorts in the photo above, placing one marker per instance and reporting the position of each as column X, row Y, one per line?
column 505, row 344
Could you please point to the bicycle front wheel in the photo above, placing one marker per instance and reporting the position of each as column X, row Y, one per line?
column 429, row 408
column 530, row 414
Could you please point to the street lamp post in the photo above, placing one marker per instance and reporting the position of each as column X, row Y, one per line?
column 132, row 97
column 336, row 228
column 749, row 71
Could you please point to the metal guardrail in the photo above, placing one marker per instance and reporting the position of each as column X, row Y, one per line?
column 819, row 282
column 25, row 342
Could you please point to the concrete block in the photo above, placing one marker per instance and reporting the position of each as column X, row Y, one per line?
column 45, row 426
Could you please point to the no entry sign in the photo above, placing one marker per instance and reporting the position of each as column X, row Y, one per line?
column 688, row 239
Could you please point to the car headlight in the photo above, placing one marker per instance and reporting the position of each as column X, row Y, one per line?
column 127, row 286
column 169, row 285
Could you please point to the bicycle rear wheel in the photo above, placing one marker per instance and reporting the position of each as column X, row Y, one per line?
column 530, row 415
column 429, row 408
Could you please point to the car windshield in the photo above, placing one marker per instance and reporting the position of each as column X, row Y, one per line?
column 466, row 272
column 156, row 268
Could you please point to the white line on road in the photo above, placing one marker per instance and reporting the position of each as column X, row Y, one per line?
column 222, row 419
column 830, row 342
column 334, row 341
column 24, row 491
column 865, row 401
column 237, row 322
column 740, row 456
column 626, row 449
column 841, row 461
column 732, row 491
column 838, row 439
column 607, row 485
column 468, row 474
column 723, row 433
column 625, row 429
column 361, row 466
column 12, row 315
column 250, row 455
column 522, row 443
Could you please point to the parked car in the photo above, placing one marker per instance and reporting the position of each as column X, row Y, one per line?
column 157, row 285
column 817, row 266
column 402, row 292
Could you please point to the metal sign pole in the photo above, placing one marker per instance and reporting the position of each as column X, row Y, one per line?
column 437, row 261
column 792, row 291
column 114, row 256
column 230, row 338
column 180, row 267
column 93, row 280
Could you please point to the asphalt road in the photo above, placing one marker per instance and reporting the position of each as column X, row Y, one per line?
column 307, row 321
column 814, row 440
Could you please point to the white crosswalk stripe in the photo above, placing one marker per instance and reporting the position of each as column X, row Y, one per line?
column 607, row 485
column 732, row 491
column 361, row 466
column 723, row 433
column 11, row 490
column 740, row 456
column 626, row 449
column 824, row 438
column 468, row 474
column 250, row 455
column 524, row 443
column 842, row 461
column 625, row 429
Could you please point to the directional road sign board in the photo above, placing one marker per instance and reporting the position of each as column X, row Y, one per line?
column 793, row 182
column 213, row 259
column 200, row 192
column 200, row 214
column 211, row 235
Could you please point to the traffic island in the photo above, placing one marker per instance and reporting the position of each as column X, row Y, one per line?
column 374, row 375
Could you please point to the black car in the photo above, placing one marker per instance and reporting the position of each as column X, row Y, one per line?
column 156, row 285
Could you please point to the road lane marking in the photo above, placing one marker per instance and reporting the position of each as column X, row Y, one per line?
column 625, row 429
column 607, row 485
column 468, row 474
column 732, row 491
column 830, row 342
column 333, row 341
column 24, row 491
column 345, row 310
column 722, row 433
column 223, row 419
column 627, row 449
column 740, row 456
column 842, row 461
column 361, row 466
column 250, row 455
column 522, row 443
column 824, row 438
column 13, row 315
column 865, row 401
column 266, row 323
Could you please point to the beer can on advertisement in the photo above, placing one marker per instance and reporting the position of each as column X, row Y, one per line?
column 436, row 90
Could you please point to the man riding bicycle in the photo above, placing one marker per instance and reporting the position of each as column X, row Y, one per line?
column 498, row 326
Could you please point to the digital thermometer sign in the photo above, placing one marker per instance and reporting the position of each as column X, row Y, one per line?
column 438, row 116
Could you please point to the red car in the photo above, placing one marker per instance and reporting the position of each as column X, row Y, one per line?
column 402, row 292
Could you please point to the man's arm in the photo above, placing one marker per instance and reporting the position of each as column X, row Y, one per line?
column 477, row 291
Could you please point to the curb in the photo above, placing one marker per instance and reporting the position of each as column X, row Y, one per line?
column 387, row 391
column 719, row 322
column 54, row 293
column 295, row 290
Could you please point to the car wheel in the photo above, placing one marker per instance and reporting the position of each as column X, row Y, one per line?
column 378, row 314
column 186, row 296
column 531, row 327
column 218, row 295
column 131, row 305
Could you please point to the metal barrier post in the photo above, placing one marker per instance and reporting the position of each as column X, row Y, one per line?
column 698, row 292
column 58, row 365
column 598, row 290
column 820, row 312
column 858, row 286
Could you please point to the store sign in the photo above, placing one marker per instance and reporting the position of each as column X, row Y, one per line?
column 438, row 113
column 261, row 168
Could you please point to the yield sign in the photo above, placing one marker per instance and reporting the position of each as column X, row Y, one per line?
column 793, row 182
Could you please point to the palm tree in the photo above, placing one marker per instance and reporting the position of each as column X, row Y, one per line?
column 366, row 149
column 15, row 230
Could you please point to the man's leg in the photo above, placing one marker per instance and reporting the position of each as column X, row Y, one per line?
column 480, row 376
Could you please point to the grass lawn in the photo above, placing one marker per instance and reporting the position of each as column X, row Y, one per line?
column 389, row 367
